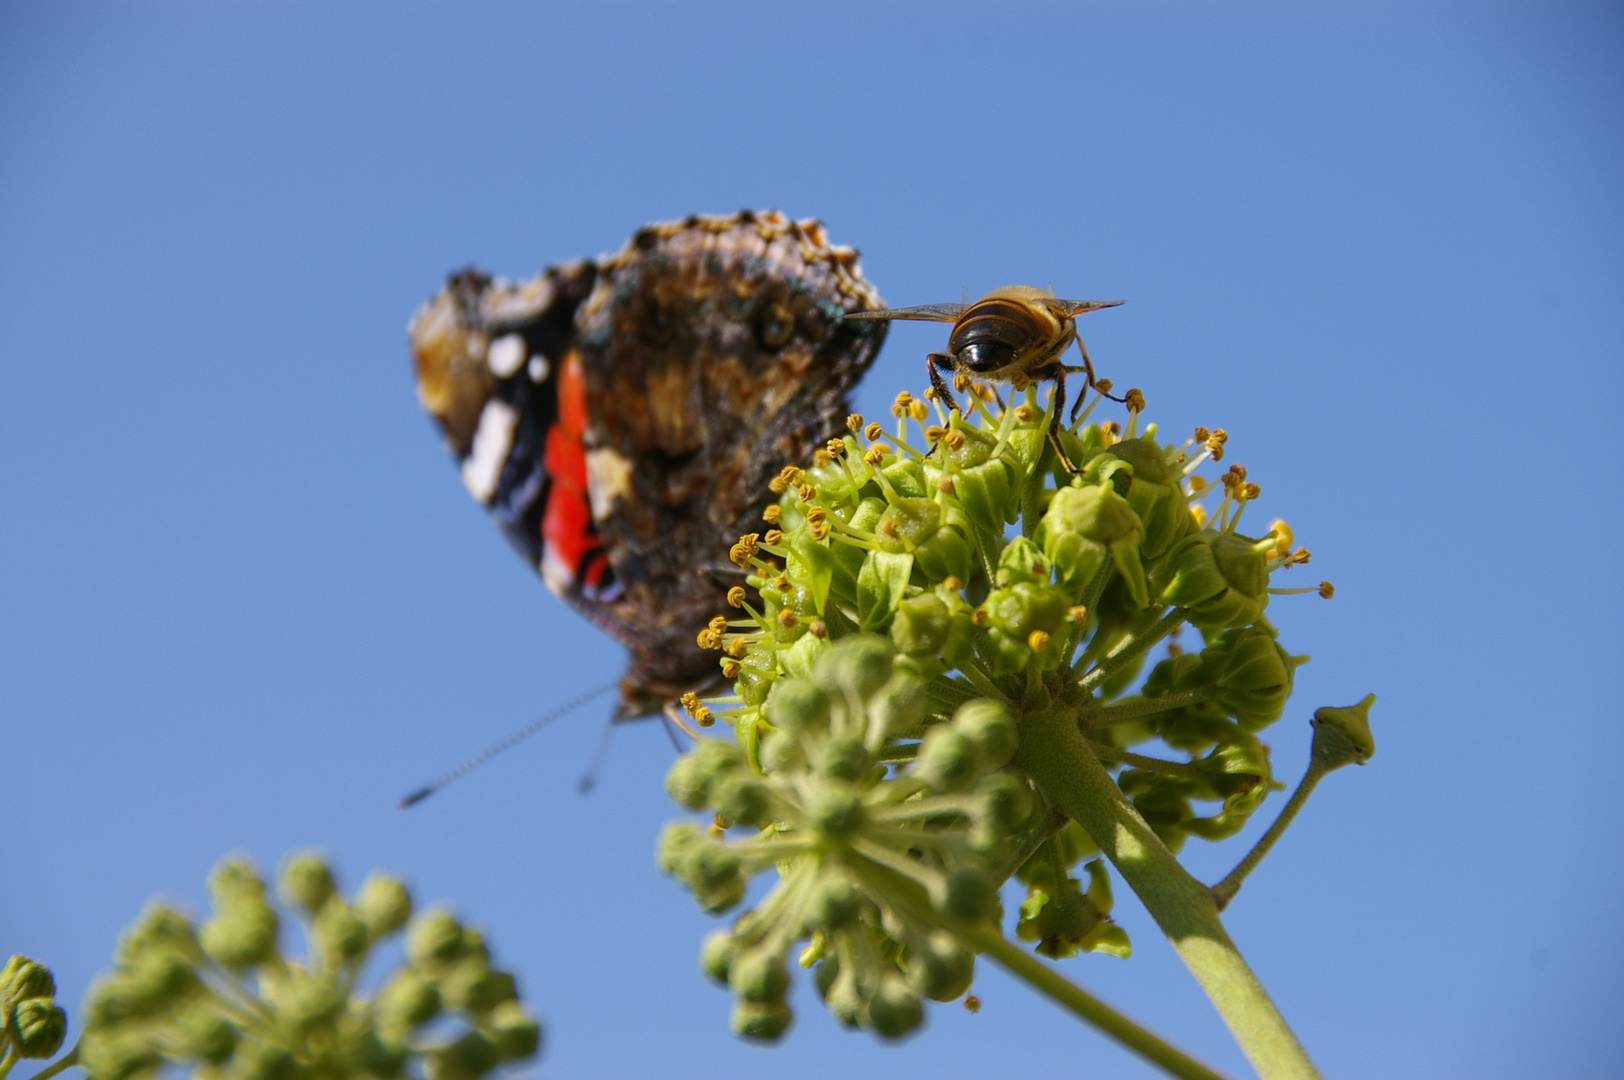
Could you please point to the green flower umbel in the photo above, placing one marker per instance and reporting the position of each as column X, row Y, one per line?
column 223, row 999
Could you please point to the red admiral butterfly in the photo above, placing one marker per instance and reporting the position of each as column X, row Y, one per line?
column 620, row 419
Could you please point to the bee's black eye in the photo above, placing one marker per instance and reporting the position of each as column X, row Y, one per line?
column 984, row 356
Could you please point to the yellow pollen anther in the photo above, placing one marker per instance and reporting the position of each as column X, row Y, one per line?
column 704, row 717
column 730, row 669
column 1197, row 484
column 1024, row 414
column 854, row 422
column 918, row 410
column 819, row 530
column 1174, row 649
column 1327, row 590
column 1135, row 400
column 715, row 831
column 773, row 514
column 820, row 458
column 900, row 407
column 1200, row 515
column 718, row 623
column 979, row 616
column 1038, row 639
column 873, row 432
column 818, row 628
column 787, row 618
column 952, row 584
column 930, row 393
column 961, row 382
column 944, row 484
column 1202, row 434
column 745, row 550
column 933, row 434
column 777, row 486
column 1250, row 491
column 781, row 583
column 689, row 701
column 806, row 493
column 816, row 514
column 774, row 536
column 984, row 392
column 1077, row 614
column 954, row 440
column 1299, row 556
column 709, row 639
column 972, row 1004
column 835, row 447
column 875, row 455
column 1103, row 385
column 1020, row 381
column 736, row 648
column 1283, row 536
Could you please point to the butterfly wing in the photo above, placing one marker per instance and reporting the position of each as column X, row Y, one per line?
column 620, row 419
column 715, row 353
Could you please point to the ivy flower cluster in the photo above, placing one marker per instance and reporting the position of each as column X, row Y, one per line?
column 919, row 591
column 224, row 1001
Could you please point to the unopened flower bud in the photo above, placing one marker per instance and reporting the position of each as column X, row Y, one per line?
column 1342, row 735
column 20, row 979
column 339, row 933
column 716, row 955
column 949, row 759
column 798, row 705
column 894, row 1011
column 407, row 1000
column 760, row 1021
column 306, row 882
column 435, row 941
column 38, row 1025
column 384, row 904
column 989, row 726
column 940, row 967
column 759, row 975
column 467, row 1058
column 835, row 904
column 517, row 1034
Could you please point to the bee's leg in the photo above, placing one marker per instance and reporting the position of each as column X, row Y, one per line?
column 1094, row 382
column 1057, row 403
column 936, row 381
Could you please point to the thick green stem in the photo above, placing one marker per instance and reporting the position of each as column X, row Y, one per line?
column 1028, row 968
column 1055, row 754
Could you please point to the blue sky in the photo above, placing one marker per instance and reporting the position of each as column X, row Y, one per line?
column 246, row 601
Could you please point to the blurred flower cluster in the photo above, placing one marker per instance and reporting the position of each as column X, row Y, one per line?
column 224, row 1001
column 916, row 591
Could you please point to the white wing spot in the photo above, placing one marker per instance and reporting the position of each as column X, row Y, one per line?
column 482, row 468
column 539, row 368
column 608, row 477
column 506, row 355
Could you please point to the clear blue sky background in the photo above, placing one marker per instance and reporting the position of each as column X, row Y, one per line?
column 246, row 601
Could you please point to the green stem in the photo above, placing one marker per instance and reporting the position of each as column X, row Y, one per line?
column 1118, row 712
column 1152, row 764
column 66, row 1061
column 1225, row 890
column 8, row 1060
column 1054, row 753
column 1131, row 649
column 1068, row 995
column 989, row 549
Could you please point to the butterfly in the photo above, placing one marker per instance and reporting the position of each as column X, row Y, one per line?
column 620, row 418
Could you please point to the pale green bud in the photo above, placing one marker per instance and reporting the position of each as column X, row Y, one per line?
column 468, row 1058
column 989, row 726
column 384, row 904
column 759, row 975
column 716, row 955
column 38, row 1026
column 940, row 967
column 761, row 1021
column 306, row 882
column 894, row 1011
column 517, row 1033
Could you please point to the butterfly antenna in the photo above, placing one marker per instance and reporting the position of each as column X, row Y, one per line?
column 506, row 744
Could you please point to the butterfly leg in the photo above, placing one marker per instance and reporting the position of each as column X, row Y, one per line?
column 1056, row 404
column 937, row 383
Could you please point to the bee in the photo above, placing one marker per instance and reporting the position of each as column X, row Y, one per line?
column 1013, row 334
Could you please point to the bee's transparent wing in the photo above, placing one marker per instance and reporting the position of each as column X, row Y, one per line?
column 922, row 313
column 1066, row 309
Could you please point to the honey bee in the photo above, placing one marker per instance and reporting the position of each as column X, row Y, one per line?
column 1012, row 334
